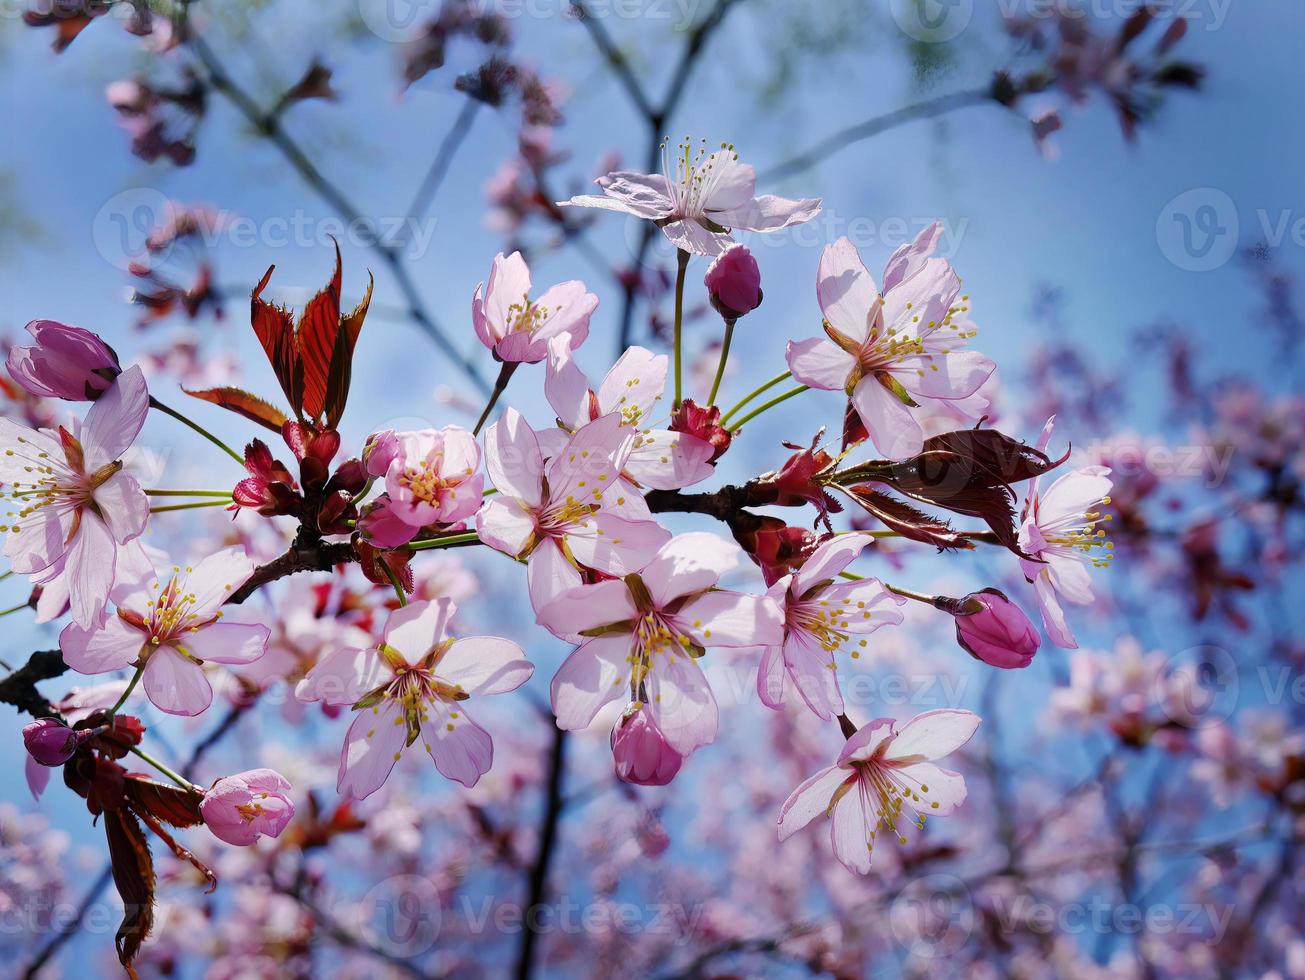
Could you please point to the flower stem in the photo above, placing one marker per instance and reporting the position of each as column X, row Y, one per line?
column 188, row 493
column 907, row 593
column 683, row 259
column 724, row 358
column 500, row 385
column 18, row 608
column 192, row 506
column 155, row 403
column 183, row 783
column 736, row 426
column 766, row 387
column 361, row 495
column 394, row 581
column 448, row 541
column 131, row 686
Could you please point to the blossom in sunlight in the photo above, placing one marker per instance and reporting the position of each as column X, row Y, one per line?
column 571, row 511
column 168, row 626
column 72, row 503
column 411, row 685
column 1062, row 530
column 65, row 362
column 824, row 615
column 640, row 750
column 883, row 778
column 698, row 198
column 643, row 635
column 899, row 355
column 242, row 808
column 733, row 282
column 517, row 328
column 993, row 629
column 432, row 478
column 657, row 457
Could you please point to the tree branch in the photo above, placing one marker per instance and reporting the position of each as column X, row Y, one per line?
column 538, row 887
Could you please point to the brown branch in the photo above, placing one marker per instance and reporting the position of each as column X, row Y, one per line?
column 552, row 815
column 19, row 688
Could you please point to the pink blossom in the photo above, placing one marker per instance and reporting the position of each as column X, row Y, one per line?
column 824, row 615
column 49, row 741
column 899, row 355
column 993, row 629
column 411, row 685
column 432, row 478
column 169, row 627
column 881, row 773
column 734, row 282
column 644, row 634
column 1062, row 530
column 640, row 750
column 698, row 198
column 657, row 457
column 571, row 512
column 379, row 452
column 74, row 503
column 242, row 808
column 517, row 328
column 66, row 362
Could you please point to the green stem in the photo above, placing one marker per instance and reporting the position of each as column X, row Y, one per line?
column 764, row 388
column 683, row 260
column 183, row 783
column 131, row 686
column 18, row 608
column 6, row 575
column 201, row 503
column 188, row 493
column 907, row 593
column 500, row 385
column 724, row 358
column 448, row 541
column 736, row 426
column 155, row 403
column 361, row 495
column 394, row 581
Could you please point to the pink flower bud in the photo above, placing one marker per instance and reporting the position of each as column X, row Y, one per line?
column 379, row 452
column 640, row 750
column 49, row 741
column 702, row 423
column 993, row 629
column 239, row 809
column 66, row 362
column 734, row 281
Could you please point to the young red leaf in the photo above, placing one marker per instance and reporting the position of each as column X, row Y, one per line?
column 133, row 875
column 243, row 403
column 171, row 804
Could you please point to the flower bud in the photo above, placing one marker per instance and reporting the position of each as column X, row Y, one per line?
column 66, row 362
column 379, row 452
column 702, row 423
column 640, row 750
column 993, row 629
column 240, row 809
column 734, row 282
column 49, row 741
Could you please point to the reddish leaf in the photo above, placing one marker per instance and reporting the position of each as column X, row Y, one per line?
column 907, row 521
column 181, row 852
column 243, row 403
column 274, row 327
column 319, row 330
column 133, row 874
column 171, row 804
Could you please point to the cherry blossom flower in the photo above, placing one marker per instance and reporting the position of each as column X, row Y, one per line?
column 657, row 457
column 571, row 512
column 824, row 615
column 242, row 808
column 517, row 328
column 993, row 629
column 412, row 685
column 698, row 198
column 432, row 478
column 74, row 504
column 168, row 629
column 733, row 282
column 899, row 355
column 66, row 362
column 883, row 777
column 1061, row 529
column 643, row 636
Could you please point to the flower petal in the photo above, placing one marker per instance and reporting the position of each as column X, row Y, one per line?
column 688, row 563
column 681, row 703
column 96, row 651
column 115, row 419
column 461, row 749
column 932, row 735
column 810, row 800
column 228, row 643
column 342, row 677
column 893, row 429
column 483, row 665
column 846, row 290
column 512, row 458
column 732, row 619
column 595, row 673
column 176, row 684
column 415, row 629
column 371, row 748
column 819, row 363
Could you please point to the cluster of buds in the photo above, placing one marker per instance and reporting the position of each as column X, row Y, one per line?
column 321, row 498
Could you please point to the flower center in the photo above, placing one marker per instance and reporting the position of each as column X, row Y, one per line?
column 692, row 174
column 526, row 317
column 50, row 482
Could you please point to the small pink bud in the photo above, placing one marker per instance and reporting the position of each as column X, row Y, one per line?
column 49, row 741
column 240, row 809
column 734, row 282
column 66, row 362
column 993, row 629
column 640, row 750
column 379, row 452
